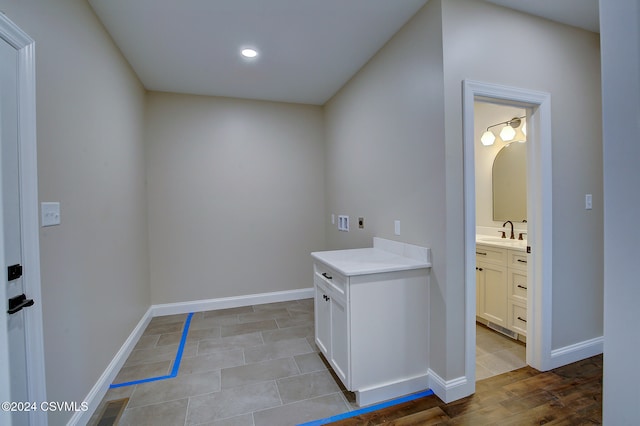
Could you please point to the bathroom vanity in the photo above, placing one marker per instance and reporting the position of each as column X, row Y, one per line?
column 501, row 284
column 371, row 317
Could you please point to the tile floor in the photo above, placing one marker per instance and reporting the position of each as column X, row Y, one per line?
column 250, row 366
column 496, row 353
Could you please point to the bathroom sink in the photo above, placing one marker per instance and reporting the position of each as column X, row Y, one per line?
column 503, row 242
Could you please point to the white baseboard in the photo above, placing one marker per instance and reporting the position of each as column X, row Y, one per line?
column 449, row 390
column 101, row 387
column 393, row 390
column 231, row 302
column 97, row 393
column 576, row 352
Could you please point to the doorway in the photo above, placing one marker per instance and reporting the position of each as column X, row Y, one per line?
column 501, row 240
column 21, row 338
column 539, row 218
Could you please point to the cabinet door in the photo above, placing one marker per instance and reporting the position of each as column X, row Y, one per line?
column 492, row 286
column 323, row 320
column 340, row 340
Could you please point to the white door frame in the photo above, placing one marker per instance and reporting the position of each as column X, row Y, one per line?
column 539, row 216
column 27, row 149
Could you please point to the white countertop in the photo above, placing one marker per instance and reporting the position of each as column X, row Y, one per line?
column 520, row 245
column 385, row 256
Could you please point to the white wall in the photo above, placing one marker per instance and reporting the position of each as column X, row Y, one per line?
column 619, row 23
column 385, row 151
column 565, row 62
column 95, row 285
column 236, row 196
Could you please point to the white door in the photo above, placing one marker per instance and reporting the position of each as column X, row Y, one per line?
column 22, row 382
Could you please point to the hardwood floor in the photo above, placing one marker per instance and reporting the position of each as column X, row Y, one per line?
column 569, row 395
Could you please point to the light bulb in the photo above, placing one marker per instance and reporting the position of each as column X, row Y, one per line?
column 507, row 133
column 487, row 138
column 249, row 53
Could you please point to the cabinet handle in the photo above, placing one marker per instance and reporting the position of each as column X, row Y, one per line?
column 522, row 287
column 522, row 319
column 478, row 269
column 481, row 254
column 325, row 297
column 329, row 277
column 522, row 261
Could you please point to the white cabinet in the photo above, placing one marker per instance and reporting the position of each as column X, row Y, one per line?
column 331, row 320
column 501, row 287
column 372, row 327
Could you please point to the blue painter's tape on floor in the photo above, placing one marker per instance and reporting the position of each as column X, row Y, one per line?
column 368, row 409
column 176, row 363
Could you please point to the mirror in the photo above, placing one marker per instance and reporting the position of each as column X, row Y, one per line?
column 509, row 180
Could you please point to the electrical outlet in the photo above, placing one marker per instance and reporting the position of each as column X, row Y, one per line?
column 588, row 202
column 343, row 223
column 396, row 227
column 361, row 222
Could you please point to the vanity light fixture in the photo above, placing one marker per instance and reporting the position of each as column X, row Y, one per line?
column 507, row 133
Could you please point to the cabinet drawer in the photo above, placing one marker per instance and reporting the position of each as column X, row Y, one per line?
column 518, row 285
column 518, row 317
column 491, row 255
column 517, row 259
column 334, row 280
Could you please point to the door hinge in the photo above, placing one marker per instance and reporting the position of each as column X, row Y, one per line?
column 14, row 272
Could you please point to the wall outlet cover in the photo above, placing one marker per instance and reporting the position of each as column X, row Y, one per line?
column 343, row 223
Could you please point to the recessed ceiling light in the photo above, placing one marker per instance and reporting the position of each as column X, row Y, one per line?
column 249, row 53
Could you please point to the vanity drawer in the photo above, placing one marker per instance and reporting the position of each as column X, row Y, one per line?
column 491, row 254
column 331, row 278
column 518, row 317
column 518, row 285
column 517, row 259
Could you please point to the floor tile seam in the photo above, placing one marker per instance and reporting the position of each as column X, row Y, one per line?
column 275, row 382
column 186, row 414
column 310, row 398
column 244, row 412
column 129, row 407
column 214, row 352
column 257, row 382
column 273, row 359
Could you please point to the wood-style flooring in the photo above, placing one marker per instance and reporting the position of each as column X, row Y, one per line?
column 569, row 395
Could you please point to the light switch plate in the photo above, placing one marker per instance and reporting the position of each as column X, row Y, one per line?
column 588, row 202
column 50, row 214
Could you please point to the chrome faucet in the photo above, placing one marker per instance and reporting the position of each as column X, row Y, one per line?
column 513, row 237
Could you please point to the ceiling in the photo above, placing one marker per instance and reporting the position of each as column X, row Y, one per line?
column 308, row 49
